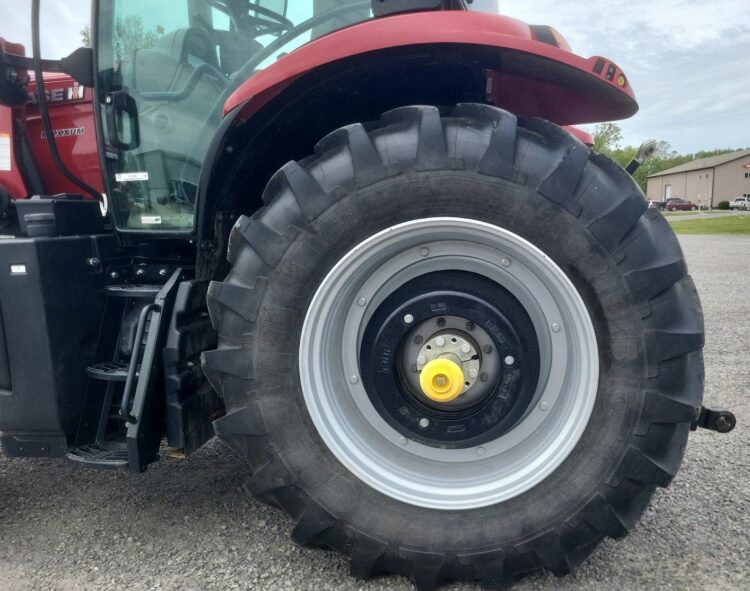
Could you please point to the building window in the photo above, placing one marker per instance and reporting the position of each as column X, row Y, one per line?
column 747, row 175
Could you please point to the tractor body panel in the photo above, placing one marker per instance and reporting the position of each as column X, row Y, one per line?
column 541, row 79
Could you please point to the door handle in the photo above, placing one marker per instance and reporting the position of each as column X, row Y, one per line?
column 120, row 109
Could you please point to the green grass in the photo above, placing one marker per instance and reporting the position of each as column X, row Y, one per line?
column 737, row 224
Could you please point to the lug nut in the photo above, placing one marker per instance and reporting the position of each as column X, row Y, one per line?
column 424, row 423
column 473, row 372
column 421, row 360
column 465, row 348
column 440, row 341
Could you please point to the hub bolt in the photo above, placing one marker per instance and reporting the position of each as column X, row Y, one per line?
column 510, row 360
column 421, row 360
column 424, row 423
column 473, row 372
column 408, row 319
column 440, row 341
column 465, row 348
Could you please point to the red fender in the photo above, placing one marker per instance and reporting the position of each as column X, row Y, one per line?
column 537, row 78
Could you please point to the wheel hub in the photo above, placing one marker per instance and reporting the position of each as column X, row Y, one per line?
column 432, row 359
column 453, row 347
column 358, row 343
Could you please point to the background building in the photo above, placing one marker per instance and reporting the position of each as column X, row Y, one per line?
column 704, row 181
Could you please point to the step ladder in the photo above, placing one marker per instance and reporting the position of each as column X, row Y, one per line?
column 122, row 401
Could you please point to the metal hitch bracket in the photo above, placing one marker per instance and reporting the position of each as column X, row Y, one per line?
column 714, row 419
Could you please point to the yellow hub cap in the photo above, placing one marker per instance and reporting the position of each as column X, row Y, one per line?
column 441, row 380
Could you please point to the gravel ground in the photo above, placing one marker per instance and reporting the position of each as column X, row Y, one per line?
column 189, row 524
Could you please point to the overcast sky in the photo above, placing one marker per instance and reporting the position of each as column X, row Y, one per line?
column 688, row 60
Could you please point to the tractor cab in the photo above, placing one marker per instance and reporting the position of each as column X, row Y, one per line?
column 165, row 71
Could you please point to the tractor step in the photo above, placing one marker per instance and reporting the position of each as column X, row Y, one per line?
column 107, row 455
column 109, row 371
column 135, row 290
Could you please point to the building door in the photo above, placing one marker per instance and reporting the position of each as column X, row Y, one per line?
column 667, row 192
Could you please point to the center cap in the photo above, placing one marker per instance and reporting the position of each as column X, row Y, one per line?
column 441, row 380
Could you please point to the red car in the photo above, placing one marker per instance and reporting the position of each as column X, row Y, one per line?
column 677, row 204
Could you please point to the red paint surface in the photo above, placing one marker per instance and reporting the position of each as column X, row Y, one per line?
column 448, row 27
column 80, row 152
column 582, row 135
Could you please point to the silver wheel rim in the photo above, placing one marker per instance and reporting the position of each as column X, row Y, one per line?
column 410, row 471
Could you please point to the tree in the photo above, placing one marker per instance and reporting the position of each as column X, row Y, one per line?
column 130, row 36
column 86, row 36
column 607, row 138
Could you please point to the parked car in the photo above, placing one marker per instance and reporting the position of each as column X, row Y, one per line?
column 677, row 204
column 740, row 203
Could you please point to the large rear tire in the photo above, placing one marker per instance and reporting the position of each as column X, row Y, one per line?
column 536, row 231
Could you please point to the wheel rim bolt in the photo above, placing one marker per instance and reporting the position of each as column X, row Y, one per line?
column 488, row 348
column 484, row 377
column 441, row 322
column 421, row 360
column 510, row 360
column 544, row 406
column 362, row 301
column 480, row 451
column 555, row 327
column 408, row 319
column 424, row 423
column 354, row 380
column 469, row 326
column 424, row 251
column 418, row 339
column 465, row 348
column 473, row 372
column 505, row 262
column 402, row 440
column 440, row 341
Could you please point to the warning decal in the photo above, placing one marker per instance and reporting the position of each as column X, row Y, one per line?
column 5, row 164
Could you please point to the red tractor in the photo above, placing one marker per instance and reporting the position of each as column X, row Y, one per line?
column 355, row 241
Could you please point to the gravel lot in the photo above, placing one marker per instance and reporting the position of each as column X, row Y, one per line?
column 190, row 525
